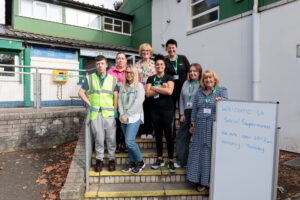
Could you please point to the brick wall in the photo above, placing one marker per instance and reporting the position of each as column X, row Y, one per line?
column 29, row 130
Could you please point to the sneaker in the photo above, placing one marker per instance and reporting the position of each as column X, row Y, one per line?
column 176, row 165
column 128, row 167
column 139, row 167
column 111, row 165
column 143, row 136
column 99, row 165
column 171, row 167
column 150, row 137
column 158, row 163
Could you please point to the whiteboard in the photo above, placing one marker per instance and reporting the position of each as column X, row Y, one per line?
column 245, row 151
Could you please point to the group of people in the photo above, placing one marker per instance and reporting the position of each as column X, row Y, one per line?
column 127, row 100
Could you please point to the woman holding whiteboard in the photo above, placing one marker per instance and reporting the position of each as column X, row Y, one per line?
column 202, row 117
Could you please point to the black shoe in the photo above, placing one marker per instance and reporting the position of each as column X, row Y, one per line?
column 139, row 167
column 99, row 165
column 171, row 167
column 158, row 163
column 128, row 167
column 111, row 165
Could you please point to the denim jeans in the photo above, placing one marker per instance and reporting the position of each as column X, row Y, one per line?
column 183, row 139
column 130, row 131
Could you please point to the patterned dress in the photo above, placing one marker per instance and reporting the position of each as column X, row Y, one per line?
column 148, row 71
column 203, row 114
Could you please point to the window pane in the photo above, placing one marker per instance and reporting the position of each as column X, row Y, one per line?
column 94, row 21
column 204, row 6
column 40, row 10
column 126, row 27
column 26, row 8
column 193, row 1
column 7, row 59
column 108, row 24
column 55, row 13
column 118, row 26
column 71, row 16
column 83, row 19
column 205, row 18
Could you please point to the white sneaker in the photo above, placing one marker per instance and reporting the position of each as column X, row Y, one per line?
column 143, row 136
column 176, row 165
column 149, row 137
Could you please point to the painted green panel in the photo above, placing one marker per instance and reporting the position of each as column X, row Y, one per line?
column 266, row 2
column 16, row 6
column 142, row 17
column 10, row 44
column 133, row 5
column 69, row 31
column 27, row 81
column 230, row 8
column 142, row 36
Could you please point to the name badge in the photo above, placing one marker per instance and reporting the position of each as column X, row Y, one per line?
column 156, row 96
column 176, row 77
column 189, row 104
column 144, row 80
column 207, row 111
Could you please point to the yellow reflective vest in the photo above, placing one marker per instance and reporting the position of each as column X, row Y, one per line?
column 101, row 96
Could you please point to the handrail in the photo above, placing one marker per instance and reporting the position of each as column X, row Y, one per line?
column 42, row 67
column 88, row 149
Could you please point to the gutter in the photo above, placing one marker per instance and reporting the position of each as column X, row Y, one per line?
column 255, row 51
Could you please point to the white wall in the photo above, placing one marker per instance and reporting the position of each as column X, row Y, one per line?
column 2, row 11
column 227, row 49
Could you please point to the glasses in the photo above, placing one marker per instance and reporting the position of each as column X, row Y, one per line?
column 128, row 73
column 145, row 50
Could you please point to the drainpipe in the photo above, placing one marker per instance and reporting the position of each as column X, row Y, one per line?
column 255, row 51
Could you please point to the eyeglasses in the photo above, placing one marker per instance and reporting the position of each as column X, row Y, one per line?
column 145, row 50
column 126, row 72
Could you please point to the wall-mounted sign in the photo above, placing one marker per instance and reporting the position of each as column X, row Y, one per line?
column 43, row 52
column 95, row 53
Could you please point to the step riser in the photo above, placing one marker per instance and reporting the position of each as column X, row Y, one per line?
column 124, row 161
column 186, row 197
column 138, row 179
column 151, row 145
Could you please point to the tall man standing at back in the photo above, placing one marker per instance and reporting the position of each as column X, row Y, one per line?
column 102, row 91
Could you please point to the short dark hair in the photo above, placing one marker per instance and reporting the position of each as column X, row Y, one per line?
column 171, row 41
column 100, row 57
column 159, row 57
column 121, row 52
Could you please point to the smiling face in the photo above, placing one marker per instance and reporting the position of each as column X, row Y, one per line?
column 121, row 60
column 160, row 66
column 193, row 73
column 209, row 82
column 101, row 66
column 145, row 53
column 171, row 49
column 129, row 75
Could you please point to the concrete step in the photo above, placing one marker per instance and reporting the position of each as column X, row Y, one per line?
column 150, row 143
column 148, row 175
column 149, row 156
column 145, row 191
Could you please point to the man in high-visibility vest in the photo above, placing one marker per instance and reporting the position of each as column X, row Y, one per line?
column 100, row 91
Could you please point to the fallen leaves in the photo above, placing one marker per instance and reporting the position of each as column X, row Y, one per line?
column 24, row 187
column 1, row 168
column 42, row 181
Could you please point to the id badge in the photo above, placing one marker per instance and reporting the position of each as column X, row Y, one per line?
column 189, row 104
column 144, row 80
column 176, row 77
column 207, row 111
column 156, row 96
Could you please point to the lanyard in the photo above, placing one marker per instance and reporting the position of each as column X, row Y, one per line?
column 191, row 92
column 159, row 80
column 103, row 80
column 127, row 94
column 174, row 66
column 208, row 100
column 144, row 71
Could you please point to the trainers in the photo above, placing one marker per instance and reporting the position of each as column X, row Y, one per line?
column 99, row 165
column 139, row 167
column 158, row 163
column 149, row 136
column 128, row 167
column 111, row 165
column 176, row 165
column 171, row 167
column 143, row 136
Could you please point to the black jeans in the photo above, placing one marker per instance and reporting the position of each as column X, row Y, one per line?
column 183, row 139
column 146, row 128
column 162, row 123
column 119, row 134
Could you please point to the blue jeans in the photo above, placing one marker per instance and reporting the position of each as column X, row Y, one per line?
column 130, row 131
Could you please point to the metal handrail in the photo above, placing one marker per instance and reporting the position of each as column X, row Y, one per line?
column 42, row 67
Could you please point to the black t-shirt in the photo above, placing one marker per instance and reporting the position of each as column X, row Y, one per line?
column 183, row 66
column 163, row 102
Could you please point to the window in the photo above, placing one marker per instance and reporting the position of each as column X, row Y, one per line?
column 117, row 26
column 41, row 10
column 204, row 12
column 8, row 72
column 84, row 19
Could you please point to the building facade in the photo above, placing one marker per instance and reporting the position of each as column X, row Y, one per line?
column 218, row 34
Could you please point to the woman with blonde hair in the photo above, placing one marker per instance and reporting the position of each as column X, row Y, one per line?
column 202, row 117
column 146, row 68
column 130, row 102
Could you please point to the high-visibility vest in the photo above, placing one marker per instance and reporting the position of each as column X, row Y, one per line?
column 101, row 97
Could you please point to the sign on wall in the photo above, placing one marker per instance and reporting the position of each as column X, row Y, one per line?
column 95, row 53
column 43, row 52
